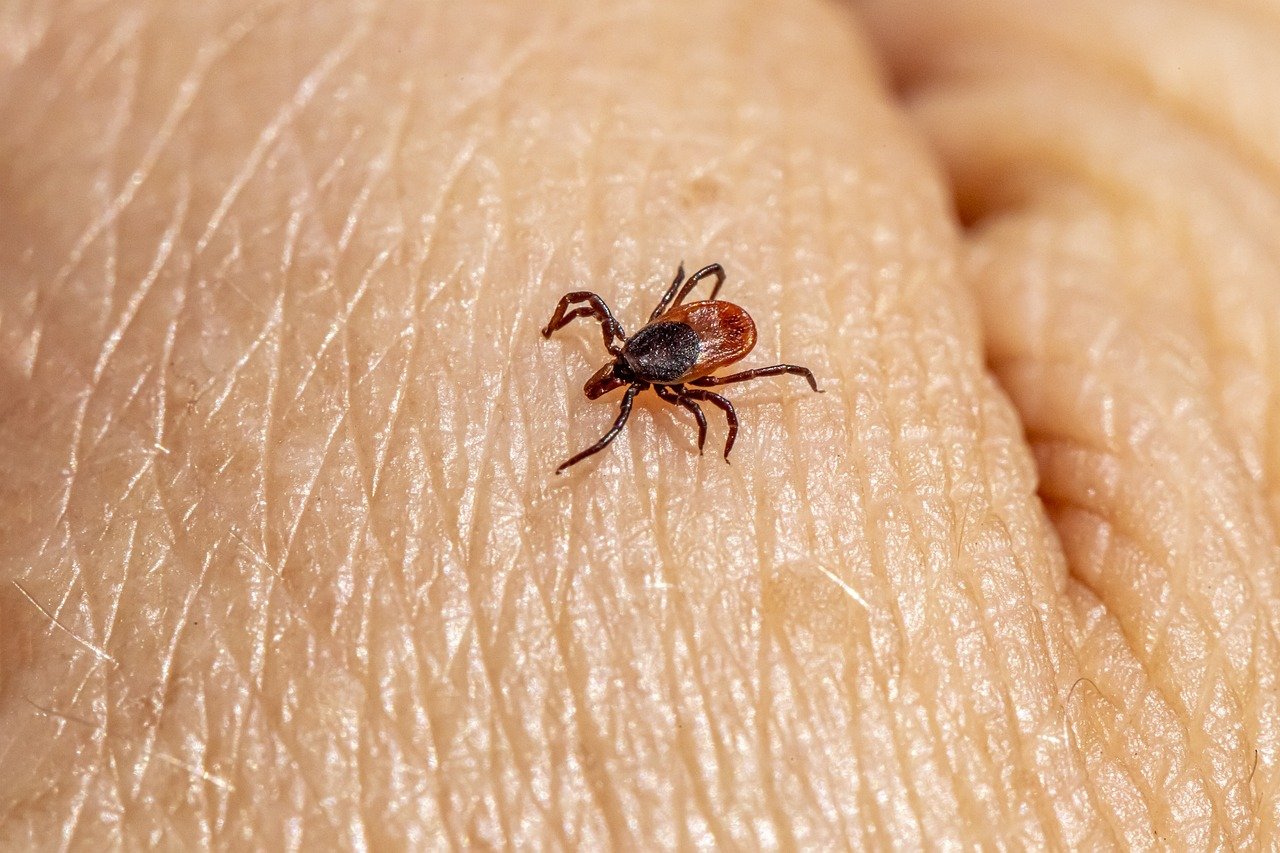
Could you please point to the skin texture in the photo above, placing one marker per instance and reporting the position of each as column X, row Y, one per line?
column 282, row 559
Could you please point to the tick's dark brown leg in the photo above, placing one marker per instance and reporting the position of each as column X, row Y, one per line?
column 710, row 269
column 611, row 434
column 596, row 308
column 672, row 396
column 759, row 373
column 671, row 298
column 665, row 301
column 729, row 414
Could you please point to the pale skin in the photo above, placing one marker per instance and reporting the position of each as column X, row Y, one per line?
column 283, row 561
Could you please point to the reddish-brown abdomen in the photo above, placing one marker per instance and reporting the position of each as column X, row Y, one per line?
column 725, row 332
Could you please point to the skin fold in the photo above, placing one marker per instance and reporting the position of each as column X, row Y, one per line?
column 283, row 562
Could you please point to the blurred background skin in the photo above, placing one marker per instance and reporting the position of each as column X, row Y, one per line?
column 282, row 558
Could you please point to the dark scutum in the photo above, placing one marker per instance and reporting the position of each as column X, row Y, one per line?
column 662, row 352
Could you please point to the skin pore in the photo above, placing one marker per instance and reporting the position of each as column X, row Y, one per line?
column 282, row 557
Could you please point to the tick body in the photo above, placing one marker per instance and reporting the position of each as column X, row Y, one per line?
column 674, row 354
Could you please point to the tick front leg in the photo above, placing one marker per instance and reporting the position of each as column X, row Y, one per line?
column 596, row 308
column 760, row 373
column 665, row 301
column 672, row 299
column 710, row 269
column 730, row 415
column 609, row 436
column 672, row 396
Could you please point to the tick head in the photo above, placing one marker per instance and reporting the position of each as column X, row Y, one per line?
column 603, row 381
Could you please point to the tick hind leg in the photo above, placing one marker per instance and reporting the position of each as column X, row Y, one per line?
column 730, row 416
column 596, row 308
column 676, row 294
column 623, row 414
column 760, row 373
column 673, row 396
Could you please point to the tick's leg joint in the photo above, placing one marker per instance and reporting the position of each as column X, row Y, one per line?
column 676, row 294
column 710, row 269
column 730, row 416
column 623, row 414
column 675, row 397
column 665, row 302
column 595, row 307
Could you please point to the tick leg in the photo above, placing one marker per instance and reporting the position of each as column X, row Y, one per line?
column 595, row 307
column 759, row 373
column 665, row 301
column 672, row 396
column 672, row 299
column 710, row 269
column 609, row 436
column 730, row 415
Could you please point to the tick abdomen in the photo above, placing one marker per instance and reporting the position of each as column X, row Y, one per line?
column 662, row 351
column 725, row 334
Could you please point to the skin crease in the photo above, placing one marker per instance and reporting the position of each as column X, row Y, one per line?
column 282, row 558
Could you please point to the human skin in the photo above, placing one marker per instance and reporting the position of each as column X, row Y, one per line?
column 283, row 560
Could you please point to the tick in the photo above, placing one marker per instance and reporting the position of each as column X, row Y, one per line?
column 680, row 346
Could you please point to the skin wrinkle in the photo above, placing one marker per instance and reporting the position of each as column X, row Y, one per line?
column 1123, row 183
column 166, row 668
column 966, row 159
column 52, row 617
column 684, row 743
column 281, row 726
column 979, row 599
column 688, row 750
column 188, row 91
column 918, row 811
column 880, row 563
column 1149, row 797
column 406, row 629
column 1102, row 624
column 888, row 605
column 1147, row 46
column 275, row 129
column 897, row 455
column 769, row 771
column 1160, row 630
column 509, row 727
